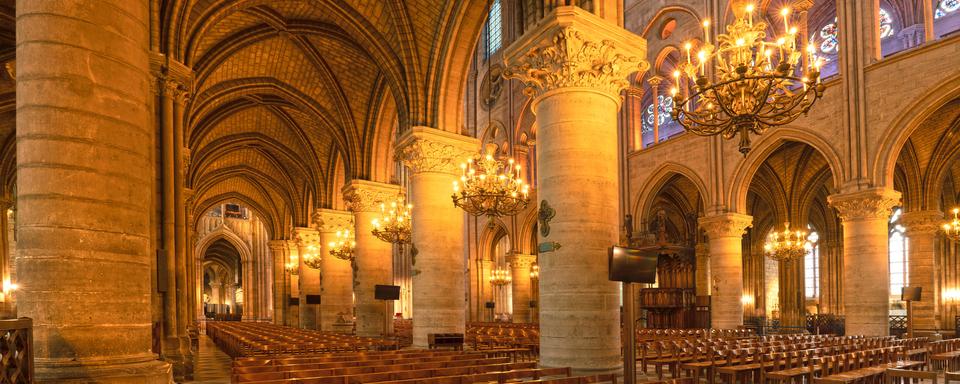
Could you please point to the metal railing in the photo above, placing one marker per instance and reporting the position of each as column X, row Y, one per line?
column 16, row 351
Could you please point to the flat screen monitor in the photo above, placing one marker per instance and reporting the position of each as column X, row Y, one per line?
column 386, row 292
column 631, row 265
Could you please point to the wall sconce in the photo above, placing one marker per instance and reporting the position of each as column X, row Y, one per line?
column 8, row 289
column 746, row 300
column 951, row 295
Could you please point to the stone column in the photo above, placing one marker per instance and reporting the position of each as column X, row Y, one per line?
column 309, row 278
column 520, row 269
column 702, row 273
column 372, row 255
column 488, row 290
column 280, row 281
column 8, row 309
column 866, row 274
column 434, row 157
column 725, row 232
column 84, row 190
column 574, row 66
column 293, row 288
column 336, row 286
column 655, row 89
column 922, row 228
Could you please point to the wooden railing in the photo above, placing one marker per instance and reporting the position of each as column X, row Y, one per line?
column 16, row 350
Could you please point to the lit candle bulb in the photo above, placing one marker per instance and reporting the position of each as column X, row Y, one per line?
column 750, row 14
column 786, row 14
column 706, row 31
column 702, row 58
column 687, row 47
column 676, row 78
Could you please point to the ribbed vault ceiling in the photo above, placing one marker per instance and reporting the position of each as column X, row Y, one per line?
column 292, row 96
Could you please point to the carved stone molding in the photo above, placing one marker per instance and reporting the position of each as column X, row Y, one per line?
column 366, row 196
column 329, row 220
column 424, row 149
column 277, row 245
column 726, row 225
column 575, row 48
column 862, row 205
column 522, row 261
column 306, row 236
column 922, row 222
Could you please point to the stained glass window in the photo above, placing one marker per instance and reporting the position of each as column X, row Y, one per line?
column 663, row 115
column 811, row 267
column 495, row 28
column 899, row 261
column 944, row 7
column 829, row 43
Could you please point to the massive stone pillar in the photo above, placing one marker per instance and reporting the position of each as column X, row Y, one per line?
column 336, row 286
column 866, row 267
column 922, row 228
column 281, row 282
column 575, row 65
column 372, row 256
column 434, row 157
column 702, row 271
column 308, row 243
column 520, row 269
column 293, row 288
column 84, row 177
column 725, row 232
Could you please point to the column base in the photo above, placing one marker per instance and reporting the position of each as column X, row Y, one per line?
column 102, row 372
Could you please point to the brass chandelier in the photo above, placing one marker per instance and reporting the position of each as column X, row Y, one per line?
column 488, row 187
column 951, row 228
column 292, row 268
column 500, row 277
column 786, row 245
column 535, row 272
column 312, row 257
column 342, row 248
column 394, row 223
column 753, row 84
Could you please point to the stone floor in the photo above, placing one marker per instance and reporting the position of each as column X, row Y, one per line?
column 211, row 365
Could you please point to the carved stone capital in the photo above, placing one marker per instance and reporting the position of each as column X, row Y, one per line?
column 863, row 205
column 922, row 222
column 424, row 149
column 306, row 236
column 702, row 250
column 725, row 225
column 521, row 261
column 277, row 245
column 366, row 196
column 330, row 220
column 571, row 47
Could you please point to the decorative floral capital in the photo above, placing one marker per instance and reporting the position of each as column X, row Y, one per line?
column 726, row 225
column 922, row 222
column 366, row 196
column 571, row 59
column 329, row 220
column 431, row 150
column 306, row 236
column 864, row 205
column 521, row 261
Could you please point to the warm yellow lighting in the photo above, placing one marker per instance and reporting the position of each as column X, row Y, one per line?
column 786, row 245
column 746, row 300
column 500, row 277
column 489, row 187
column 395, row 223
column 342, row 248
column 951, row 228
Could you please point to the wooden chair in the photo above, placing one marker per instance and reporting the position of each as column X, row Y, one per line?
column 903, row 376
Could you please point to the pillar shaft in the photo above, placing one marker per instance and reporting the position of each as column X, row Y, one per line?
column 725, row 232
column 280, row 281
column 337, row 283
column 373, row 257
column 866, row 272
column 433, row 156
column 84, row 198
column 308, row 243
column 520, row 270
column 921, row 229
column 575, row 65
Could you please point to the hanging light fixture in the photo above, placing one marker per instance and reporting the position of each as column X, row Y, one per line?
column 951, row 228
column 753, row 84
column 488, row 187
column 312, row 257
column 394, row 223
column 500, row 277
column 786, row 245
column 342, row 248
column 535, row 272
column 292, row 268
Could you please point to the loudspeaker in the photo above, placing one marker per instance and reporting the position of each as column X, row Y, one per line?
column 161, row 270
column 489, row 304
column 294, row 301
column 386, row 292
column 533, row 303
column 910, row 293
column 313, row 299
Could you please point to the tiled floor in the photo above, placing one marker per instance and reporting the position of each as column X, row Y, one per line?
column 211, row 365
